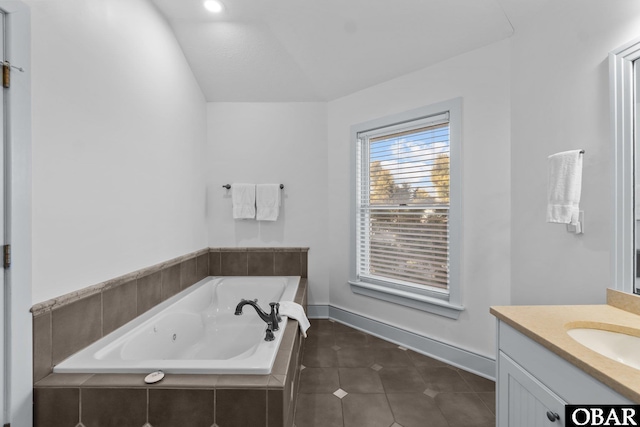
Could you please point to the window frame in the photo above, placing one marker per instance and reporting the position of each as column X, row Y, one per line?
column 417, row 296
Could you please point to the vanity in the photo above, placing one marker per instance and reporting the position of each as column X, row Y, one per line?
column 541, row 368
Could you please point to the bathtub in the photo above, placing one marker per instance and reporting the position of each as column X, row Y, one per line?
column 194, row 332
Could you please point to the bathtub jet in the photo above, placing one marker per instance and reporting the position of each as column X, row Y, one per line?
column 272, row 319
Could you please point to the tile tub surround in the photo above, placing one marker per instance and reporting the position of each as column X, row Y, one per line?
column 67, row 324
column 258, row 261
column 193, row 400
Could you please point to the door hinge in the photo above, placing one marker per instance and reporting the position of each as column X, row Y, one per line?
column 7, row 256
column 6, row 75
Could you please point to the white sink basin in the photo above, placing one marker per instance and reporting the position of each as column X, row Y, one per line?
column 614, row 345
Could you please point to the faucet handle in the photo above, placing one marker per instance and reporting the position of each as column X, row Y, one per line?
column 274, row 316
column 275, row 306
column 269, row 335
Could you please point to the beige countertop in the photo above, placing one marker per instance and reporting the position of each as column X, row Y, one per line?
column 547, row 325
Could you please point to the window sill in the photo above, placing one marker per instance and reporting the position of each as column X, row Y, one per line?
column 408, row 299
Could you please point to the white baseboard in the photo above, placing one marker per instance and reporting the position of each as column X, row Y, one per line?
column 318, row 311
column 464, row 359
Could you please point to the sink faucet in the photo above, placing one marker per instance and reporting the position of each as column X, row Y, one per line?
column 270, row 319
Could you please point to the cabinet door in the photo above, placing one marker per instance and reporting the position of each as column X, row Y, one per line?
column 523, row 400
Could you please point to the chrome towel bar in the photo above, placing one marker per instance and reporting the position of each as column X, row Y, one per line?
column 228, row 186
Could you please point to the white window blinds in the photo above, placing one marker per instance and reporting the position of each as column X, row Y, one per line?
column 403, row 203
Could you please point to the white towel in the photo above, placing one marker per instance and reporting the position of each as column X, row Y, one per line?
column 267, row 202
column 565, row 186
column 295, row 311
column 243, row 199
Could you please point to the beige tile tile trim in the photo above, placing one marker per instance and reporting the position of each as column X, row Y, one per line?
column 63, row 300
column 258, row 249
column 60, row 301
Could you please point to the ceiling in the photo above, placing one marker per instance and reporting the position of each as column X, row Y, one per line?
column 303, row 50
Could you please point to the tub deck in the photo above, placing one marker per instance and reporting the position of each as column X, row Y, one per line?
column 194, row 332
column 179, row 399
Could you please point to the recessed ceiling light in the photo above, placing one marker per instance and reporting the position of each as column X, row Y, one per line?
column 213, row 6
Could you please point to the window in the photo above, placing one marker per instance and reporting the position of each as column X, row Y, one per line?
column 406, row 208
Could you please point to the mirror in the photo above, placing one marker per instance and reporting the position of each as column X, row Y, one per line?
column 622, row 77
column 636, row 179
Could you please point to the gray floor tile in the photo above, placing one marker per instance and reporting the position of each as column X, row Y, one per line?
column 478, row 383
column 443, row 379
column 489, row 399
column 318, row 410
column 391, row 357
column 319, row 380
column 351, row 339
column 320, row 357
column 370, row 410
column 321, row 326
column 319, row 340
column 360, row 380
column 339, row 328
column 380, row 343
column 426, row 361
column 401, row 380
column 416, row 410
column 407, row 390
column 355, row 357
column 464, row 410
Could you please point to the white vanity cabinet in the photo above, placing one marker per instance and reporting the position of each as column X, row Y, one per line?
column 534, row 383
column 523, row 400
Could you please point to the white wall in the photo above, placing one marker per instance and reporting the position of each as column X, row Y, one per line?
column 120, row 145
column 481, row 78
column 119, row 134
column 560, row 101
column 272, row 143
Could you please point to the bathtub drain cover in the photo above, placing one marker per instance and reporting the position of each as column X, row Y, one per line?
column 154, row 377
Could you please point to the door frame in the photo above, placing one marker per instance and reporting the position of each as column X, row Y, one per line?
column 18, row 334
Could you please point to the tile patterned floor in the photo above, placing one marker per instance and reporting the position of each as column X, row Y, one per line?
column 352, row 379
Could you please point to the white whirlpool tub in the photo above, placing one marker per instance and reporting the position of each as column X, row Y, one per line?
column 194, row 332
